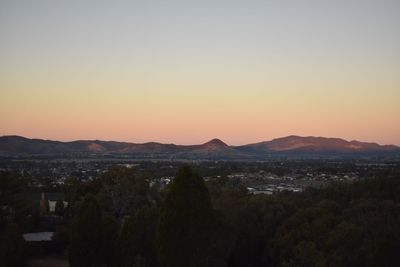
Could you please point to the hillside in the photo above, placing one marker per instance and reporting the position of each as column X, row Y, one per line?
column 290, row 145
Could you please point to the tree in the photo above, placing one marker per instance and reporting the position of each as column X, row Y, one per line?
column 12, row 247
column 109, row 236
column 59, row 208
column 303, row 235
column 75, row 191
column 137, row 240
column 186, row 222
column 14, row 207
column 86, row 235
column 123, row 191
column 306, row 254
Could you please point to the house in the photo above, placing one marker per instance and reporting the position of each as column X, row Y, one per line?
column 46, row 201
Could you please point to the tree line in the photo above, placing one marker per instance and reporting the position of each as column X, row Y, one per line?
column 118, row 220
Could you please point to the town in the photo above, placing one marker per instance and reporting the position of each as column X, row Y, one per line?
column 258, row 177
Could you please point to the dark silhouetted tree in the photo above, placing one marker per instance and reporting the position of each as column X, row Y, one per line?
column 12, row 248
column 86, row 235
column 13, row 203
column 137, row 240
column 186, row 222
column 59, row 208
column 109, row 237
column 123, row 191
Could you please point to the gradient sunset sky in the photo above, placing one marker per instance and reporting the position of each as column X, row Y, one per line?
column 187, row 71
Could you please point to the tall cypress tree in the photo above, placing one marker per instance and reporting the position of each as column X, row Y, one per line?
column 137, row 240
column 186, row 222
column 86, row 235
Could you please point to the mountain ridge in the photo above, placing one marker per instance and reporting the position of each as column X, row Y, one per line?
column 293, row 144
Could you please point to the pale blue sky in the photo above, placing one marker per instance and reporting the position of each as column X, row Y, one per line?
column 251, row 32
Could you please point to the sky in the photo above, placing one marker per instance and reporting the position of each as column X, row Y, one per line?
column 185, row 72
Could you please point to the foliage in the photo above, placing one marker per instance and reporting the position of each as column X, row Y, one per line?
column 13, row 205
column 59, row 208
column 91, row 236
column 186, row 222
column 109, row 237
column 122, row 191
column 342, row 225
column 217, row 223
column 137, row 240
column 12, row 247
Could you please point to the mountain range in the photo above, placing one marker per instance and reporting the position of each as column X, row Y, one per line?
column 290, row 145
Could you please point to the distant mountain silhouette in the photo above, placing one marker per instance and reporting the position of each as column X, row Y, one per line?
column 215, row 144
column 317, row 144
column 290, row 145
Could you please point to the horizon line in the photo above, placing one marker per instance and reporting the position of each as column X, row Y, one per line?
column 188, row 144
